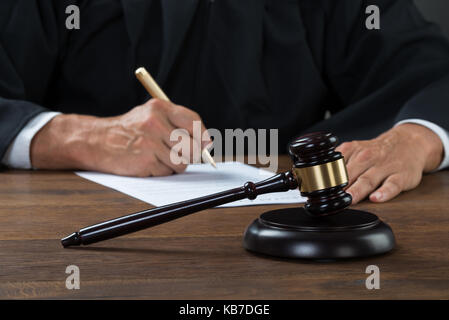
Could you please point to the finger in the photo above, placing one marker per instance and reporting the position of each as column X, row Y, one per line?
column 182, row 117
column 164, row 155
column 161, row 129
column 166, row 134
column 185, row 146
column 347, row 149
column 392, row 187
column 158, row 123
column 366, row 183
column 173, row 116
column 159, row 103
column 159, row 169
column 361, row 161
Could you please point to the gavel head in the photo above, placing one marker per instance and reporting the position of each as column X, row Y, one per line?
column 321, row 173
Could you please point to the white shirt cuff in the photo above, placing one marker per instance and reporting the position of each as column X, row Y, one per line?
column 18, row 154
column 440, row 132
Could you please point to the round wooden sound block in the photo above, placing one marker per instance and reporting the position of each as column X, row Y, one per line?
column 293, row 233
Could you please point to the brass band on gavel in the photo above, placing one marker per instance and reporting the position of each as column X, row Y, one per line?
column 322, row 176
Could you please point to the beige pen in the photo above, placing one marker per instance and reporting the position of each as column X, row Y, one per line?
column 155, row 91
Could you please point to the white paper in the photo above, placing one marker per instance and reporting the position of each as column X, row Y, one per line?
column 197, row 181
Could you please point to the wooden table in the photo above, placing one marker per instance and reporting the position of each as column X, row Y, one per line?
column 201, row 256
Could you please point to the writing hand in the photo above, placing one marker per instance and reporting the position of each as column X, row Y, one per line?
column 136, row 143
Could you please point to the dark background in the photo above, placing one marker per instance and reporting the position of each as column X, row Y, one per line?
column 436, row 11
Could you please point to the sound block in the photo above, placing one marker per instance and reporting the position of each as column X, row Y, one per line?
column 293, row 233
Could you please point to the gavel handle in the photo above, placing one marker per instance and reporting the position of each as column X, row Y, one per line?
column 153, row 217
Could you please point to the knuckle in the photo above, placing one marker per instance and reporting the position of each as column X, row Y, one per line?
column 156, row 103
column 345, row 146
column 396, row 184
column 150, row 121
column 196, row 116
column 354, row 143
column 193, row 115
column 366, row 154
column 415, row 180
column 382, row 153
column 354, row 194
column 367, row 182
column 180, row 168
column 396, row 164
column 153, row 122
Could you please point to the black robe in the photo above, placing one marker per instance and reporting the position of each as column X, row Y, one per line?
column 239, row 63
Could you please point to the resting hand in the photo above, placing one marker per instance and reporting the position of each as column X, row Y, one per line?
column 135, row 144
column 391, row 163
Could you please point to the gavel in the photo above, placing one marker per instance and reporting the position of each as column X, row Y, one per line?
column 323, row 229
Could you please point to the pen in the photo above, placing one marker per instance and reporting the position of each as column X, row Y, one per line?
column 156, row 92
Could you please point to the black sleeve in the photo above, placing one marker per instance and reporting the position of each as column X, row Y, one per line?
column 28, row 56
column 380, row 77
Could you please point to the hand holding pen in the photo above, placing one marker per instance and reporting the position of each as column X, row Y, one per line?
column 156, row 92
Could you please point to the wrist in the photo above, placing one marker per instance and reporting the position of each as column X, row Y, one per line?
column 425, row 143
column 62, row 143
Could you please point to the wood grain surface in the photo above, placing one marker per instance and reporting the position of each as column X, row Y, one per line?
column 201, row 256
